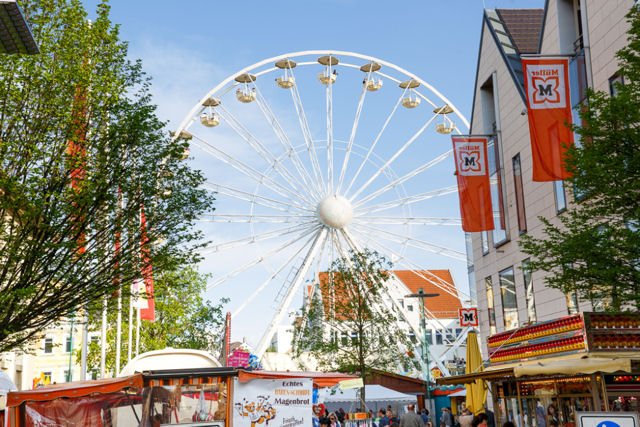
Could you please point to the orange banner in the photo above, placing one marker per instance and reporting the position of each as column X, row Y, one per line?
column 472, row 171
column 549, row 109
column 148, row 313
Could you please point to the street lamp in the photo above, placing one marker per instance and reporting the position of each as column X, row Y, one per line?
column 424, row 343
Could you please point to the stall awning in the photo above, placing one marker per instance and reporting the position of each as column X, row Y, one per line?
column 74, row 389
column 321, row 379
column 573, row 367
column 583, row 365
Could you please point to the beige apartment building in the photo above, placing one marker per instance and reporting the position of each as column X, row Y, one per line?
column 590, row 32
column 53, row 355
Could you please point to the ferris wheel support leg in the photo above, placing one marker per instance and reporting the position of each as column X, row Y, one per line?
column 288, row 298
column 415, row 327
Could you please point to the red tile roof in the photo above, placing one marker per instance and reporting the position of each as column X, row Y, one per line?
column 444, row 305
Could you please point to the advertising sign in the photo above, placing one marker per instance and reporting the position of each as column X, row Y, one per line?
column 277, row 403
column 607, row 419
column 468, row 316
column 239, row 358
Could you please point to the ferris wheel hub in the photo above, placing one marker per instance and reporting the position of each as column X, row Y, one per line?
column 335, row 211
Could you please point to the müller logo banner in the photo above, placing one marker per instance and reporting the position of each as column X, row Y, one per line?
column 277, row 403
column 474, row 190
column 549, row 111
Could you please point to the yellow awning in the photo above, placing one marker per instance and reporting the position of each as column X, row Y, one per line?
column 573, row 367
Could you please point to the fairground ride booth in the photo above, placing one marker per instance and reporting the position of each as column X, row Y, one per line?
column 544, row 373
column 189, row 397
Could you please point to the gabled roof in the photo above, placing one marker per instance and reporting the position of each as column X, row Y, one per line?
column 445, row 305
column 516, row 32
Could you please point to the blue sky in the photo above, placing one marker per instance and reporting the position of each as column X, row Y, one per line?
column 189, row 46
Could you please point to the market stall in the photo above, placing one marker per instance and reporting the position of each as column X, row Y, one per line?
column 377, row 397
column 543, row 374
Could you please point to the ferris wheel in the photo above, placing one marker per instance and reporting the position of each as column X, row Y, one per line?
column 312, row 154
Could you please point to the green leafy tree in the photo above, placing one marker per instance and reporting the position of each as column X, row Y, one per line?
column 81, row 153
column 183, row 319
column 595, row 248
column 346, row 326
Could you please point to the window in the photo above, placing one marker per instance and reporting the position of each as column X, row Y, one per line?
column 484, row 238
column 429, row 337
column 48, row 346
column 488, row 286
column 344, row 338
column 95, row 339
column 528, row 290
column 412, row 337
column 499, row 233
column 47, row 375
column 450, row 335
column 517, row 180
column 561, row 201
column 67, row 376
column 572, row 302
column 409, row 307
column 93, row 374
column 354, row 338
column 68, row 344
column 401, row 302
column 509, row 300
column 615, row 80
column 458, row 332
column 438, row 336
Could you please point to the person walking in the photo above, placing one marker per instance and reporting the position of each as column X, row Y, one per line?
column 411, row 419
column 446, row 420
column 382, row 418
column 465, row 418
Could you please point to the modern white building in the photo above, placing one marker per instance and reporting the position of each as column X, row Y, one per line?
column 590, row 32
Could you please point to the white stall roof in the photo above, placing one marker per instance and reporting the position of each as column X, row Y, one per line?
column 373, row 393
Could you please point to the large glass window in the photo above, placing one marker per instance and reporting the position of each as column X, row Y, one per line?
column 499, row 232
column 67, row 344
column 528, row 290
column 488, row 286
column 438, row 336
column 509, row 300
column 484, row 238
column 613, row 81
column 561, row 200
column 517, row 180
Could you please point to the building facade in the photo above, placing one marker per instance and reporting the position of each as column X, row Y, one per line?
column 589, row 32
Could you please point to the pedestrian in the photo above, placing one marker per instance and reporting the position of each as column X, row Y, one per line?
column 333, row 420
column 411, row 419
column 446, row 420
column 383, row 420
column 480, row 420
column 492, row 418
column 465, row 418
column 341, row 415
column 393, row 416
column 424, row 414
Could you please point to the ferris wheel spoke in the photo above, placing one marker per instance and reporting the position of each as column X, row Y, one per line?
column 392, row 220
column 404, row 201
column 354, row 128
column 291, row 292
column 416, row 243
column 394, row 157
column 254, row 198
column 260, row 259
column 261, row 150
column 256, row 238
column 260, row 219
column 248, row 171
column 419, row 271
column 306, row 134
column 308, row 182
column 266, row 282
column 375, row 141
column 329, row 103
column 403, row 179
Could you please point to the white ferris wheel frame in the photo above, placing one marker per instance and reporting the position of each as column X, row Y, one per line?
column 321, row 235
